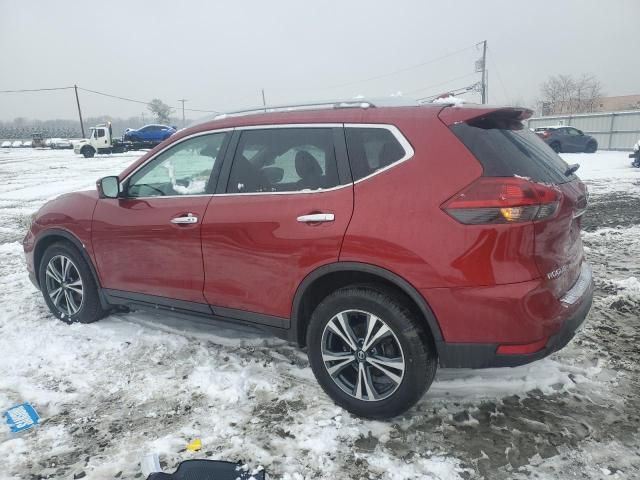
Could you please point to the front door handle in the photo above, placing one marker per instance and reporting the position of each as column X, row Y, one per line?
column 186, row 220
column 317, row 218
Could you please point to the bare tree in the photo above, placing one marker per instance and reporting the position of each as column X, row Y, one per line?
column 161, row 110
column 566, row 94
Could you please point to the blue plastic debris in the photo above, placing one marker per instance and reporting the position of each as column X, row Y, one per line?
column 21, row 417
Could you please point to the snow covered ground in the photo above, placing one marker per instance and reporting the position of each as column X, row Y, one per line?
column 135, row 383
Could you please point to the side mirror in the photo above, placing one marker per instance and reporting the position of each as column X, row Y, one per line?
column 108, row 187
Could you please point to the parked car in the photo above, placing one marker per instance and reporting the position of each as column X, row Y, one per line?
column 387, row 240
column 27, row 143
column 567, row 139
column 16, row 144
column 149, row 133
column 635, row 155
column 6, row 144
column 60, row 143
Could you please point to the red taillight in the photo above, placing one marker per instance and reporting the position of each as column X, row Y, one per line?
column 522, row 349
column 502, row 200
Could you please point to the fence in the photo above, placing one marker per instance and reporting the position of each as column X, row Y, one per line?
column 612, row 130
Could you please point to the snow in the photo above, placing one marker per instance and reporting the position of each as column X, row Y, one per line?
column 606, row 171
column 450, row 100
column 108, row 393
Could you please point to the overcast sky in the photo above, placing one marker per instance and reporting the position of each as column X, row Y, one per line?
column 219, row 55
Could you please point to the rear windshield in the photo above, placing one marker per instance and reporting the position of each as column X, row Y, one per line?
column 506, row 149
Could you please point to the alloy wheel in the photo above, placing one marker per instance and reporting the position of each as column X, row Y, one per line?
column 64, row 285
column 362, row 355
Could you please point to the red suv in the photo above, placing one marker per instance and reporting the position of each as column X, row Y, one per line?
column 387, row 240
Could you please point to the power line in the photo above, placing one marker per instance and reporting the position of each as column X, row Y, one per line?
column 113, row 96
column 441, row 83
column 457, row 91
column 495, row 64
column 139, row 101
column 36, row 90
column 401, row 70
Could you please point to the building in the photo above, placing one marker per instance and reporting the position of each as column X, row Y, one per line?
column 616, row 104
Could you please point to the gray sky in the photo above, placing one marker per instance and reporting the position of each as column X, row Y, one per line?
column 220, row 54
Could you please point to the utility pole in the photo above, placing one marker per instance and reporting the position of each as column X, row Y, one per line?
column 486, row 86
column 79, row 111
column 183, row 120
column 264, row 102
column 484, row 72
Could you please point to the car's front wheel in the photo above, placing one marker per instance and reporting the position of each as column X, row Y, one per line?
column 68, row 286
column 591, row 147
column 88, row 152
column 369, row 352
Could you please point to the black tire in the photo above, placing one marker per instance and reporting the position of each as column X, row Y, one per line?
column 416, row 351
column 88, row 152
column 556, row 147
column 591, row 147
column 89, row 308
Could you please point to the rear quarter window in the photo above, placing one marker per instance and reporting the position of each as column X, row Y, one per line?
column 371, row 149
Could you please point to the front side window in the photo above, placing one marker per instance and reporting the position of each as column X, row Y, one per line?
column 185, row 169
column 101, row 132
column 371, row 149
column 284, row 160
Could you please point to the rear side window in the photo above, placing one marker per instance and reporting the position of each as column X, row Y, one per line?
column 506, row 149
column 284, row 160
column 371, row 149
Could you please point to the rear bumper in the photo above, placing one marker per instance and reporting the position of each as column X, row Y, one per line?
column 484, row 355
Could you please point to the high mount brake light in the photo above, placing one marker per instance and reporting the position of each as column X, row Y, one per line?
column 491, row 200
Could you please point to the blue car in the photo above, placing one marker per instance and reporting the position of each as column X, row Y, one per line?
column 149, row 133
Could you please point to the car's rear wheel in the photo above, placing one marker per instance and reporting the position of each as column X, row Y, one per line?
column 591, row 147
column 556, row 147
column 68, row 286
column 369, row 352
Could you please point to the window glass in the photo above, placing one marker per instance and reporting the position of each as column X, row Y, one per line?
column 101, row 132
column 371, row 149
column 182, row 170
column 284, row 160
column 506, row 149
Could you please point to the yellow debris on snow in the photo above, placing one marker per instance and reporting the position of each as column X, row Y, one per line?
column 195, row 445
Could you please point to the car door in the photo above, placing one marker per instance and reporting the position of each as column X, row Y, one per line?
column 148, row 241
column 579, row 139
column 572, row 140
column 156, row 133
column 102, row 138
column 284, row 212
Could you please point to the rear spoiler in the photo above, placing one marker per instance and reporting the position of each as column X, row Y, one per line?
column 453, row 114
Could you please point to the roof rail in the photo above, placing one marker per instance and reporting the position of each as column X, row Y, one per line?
column 356, row 103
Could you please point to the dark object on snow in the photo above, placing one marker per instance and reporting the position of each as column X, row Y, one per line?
column 208, row 470
column 636, row 158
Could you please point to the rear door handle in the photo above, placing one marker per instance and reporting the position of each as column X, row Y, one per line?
column 317, row 218
column 186, row 220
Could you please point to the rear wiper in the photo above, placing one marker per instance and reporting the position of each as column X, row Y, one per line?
column 572, row 169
